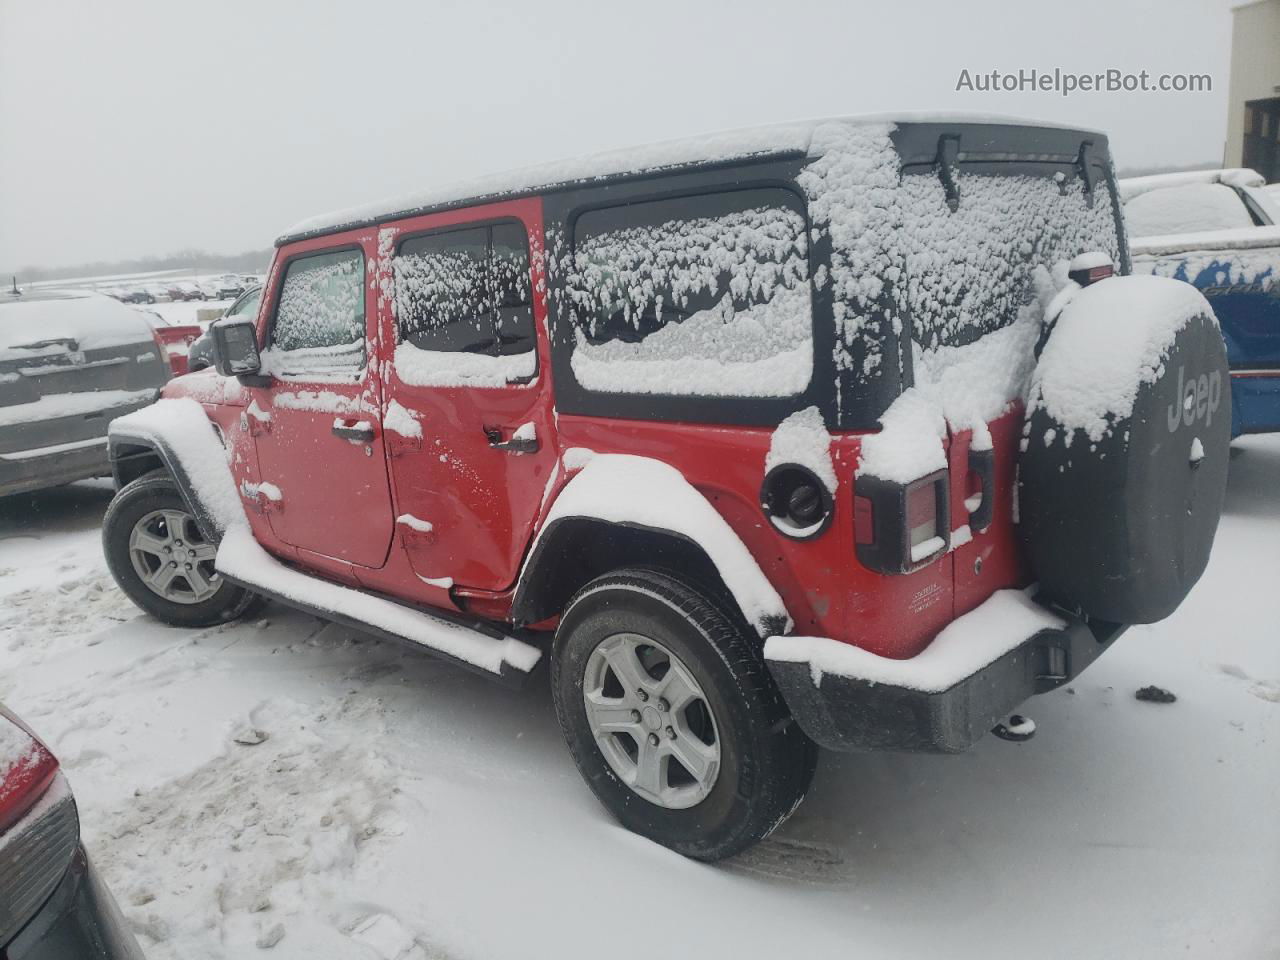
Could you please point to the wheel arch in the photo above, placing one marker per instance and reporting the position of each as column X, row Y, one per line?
column 654, row 518
column 177, row 437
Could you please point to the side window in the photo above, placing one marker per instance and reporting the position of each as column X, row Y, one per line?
column 320, row 325
column 247, row 306
column 695, row 296
column 464, row 307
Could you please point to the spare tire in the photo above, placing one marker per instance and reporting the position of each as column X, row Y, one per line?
column 1123, row 466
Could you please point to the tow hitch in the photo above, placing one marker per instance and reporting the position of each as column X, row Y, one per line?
column 1015, row 729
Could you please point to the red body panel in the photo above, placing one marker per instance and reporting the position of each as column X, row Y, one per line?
column 481, row 502
column 175, row 341
column 335, row 498
column 340, row 502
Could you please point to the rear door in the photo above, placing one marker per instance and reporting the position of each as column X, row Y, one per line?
column 318, row 430
column 468, row 407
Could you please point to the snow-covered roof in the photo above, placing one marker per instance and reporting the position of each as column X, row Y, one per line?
column 1131, row 187
column 91, row 319
column 776, row 139
column 1243, row 238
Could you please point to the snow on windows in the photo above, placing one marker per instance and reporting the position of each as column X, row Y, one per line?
column 464, row 307
column 969, row 284
column 320, row 321
column 1186, row 208
column 705, row 296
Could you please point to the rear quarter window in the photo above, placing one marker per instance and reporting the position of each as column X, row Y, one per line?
column 705, row 295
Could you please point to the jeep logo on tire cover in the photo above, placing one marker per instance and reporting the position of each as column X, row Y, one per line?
column 1197, row 397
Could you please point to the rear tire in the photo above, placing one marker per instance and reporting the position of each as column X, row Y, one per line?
column 146, row 516
column 751, row 764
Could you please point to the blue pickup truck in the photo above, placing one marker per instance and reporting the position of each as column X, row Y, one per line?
column 1220, row 230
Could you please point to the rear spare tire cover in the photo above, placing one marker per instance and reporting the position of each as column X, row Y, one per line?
column 1123, row 466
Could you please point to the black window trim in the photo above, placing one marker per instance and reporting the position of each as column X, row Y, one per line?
column 358, row 373
column 709, row 408
column 458, row 227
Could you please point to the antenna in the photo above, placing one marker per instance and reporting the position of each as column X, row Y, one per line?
column 16, row 291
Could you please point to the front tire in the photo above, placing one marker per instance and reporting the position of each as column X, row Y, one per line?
column 672, row 717
column 160, row 559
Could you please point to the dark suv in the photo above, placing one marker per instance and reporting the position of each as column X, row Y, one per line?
column 764, row 441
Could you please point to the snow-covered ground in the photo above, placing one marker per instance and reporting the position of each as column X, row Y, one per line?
column 291, row 786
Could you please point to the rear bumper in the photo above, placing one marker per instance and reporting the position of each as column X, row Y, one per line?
column 79, row 921
column 855, row 704
column 27, row 470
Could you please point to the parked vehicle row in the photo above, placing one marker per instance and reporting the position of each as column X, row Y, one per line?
column 226, row 287
column 676, row 423
column 1220, row 231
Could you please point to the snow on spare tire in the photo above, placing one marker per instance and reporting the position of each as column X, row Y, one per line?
column 1123, row 466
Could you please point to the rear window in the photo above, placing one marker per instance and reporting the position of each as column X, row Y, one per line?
column 1190, row 208
column 705, row 295
column 972, row 271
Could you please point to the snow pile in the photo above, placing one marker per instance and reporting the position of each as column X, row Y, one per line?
column 181, row 426
column 321, row 401
column 1112, row 338
column 632, row 290
column 400, row 419
column 242, row 558
column 802, row 438
column 1189, row 208
column 969, row 643
column 628, row 489
column 909, row 445
column 759, row 351
column 414, row 523
column 443, row 368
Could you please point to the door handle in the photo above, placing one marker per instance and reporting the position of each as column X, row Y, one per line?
column 359, row 432
column 514, row 445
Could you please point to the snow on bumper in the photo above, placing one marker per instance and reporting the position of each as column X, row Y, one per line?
column 975, row 672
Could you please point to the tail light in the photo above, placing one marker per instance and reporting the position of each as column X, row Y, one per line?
column 1090, row 268
column 901, row 527
column 27, row 769
column 39, row 829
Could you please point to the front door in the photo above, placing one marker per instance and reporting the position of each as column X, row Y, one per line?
column 468, row 413
column 318, row 430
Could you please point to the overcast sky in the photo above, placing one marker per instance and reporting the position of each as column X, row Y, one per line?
column 130, row 127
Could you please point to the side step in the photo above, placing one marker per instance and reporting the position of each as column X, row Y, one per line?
column 473, row 644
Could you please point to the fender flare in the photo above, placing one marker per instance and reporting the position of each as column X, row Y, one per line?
column 179, row 437
column 641, row 494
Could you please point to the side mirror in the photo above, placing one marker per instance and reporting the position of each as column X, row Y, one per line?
column 235, row 348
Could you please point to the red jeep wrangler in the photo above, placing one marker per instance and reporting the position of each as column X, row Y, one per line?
column 838, row 434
